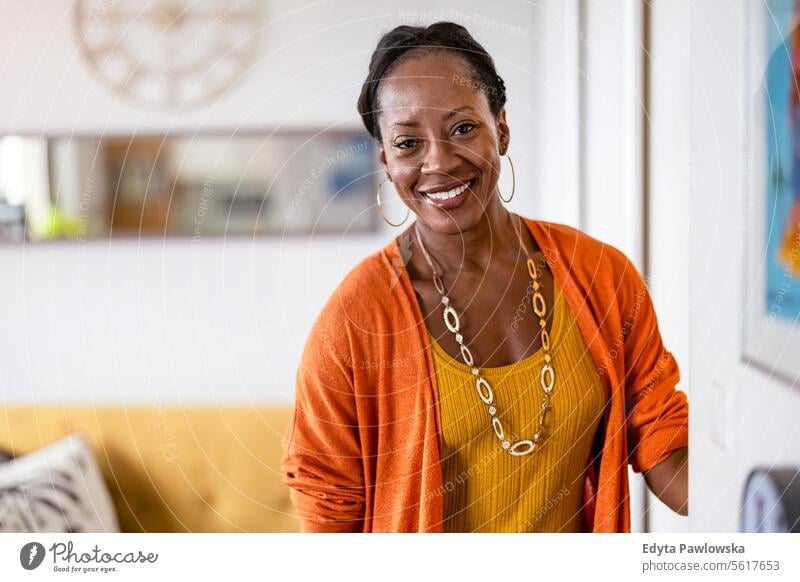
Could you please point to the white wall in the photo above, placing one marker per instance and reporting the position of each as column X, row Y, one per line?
column 668, row 186
column 219, row 320
column 612, row 197
column 556, row 101
column 740, row 417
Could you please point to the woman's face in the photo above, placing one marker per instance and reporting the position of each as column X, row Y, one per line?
column 438, row 135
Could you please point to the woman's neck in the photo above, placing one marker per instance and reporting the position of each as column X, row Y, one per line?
column 493, row 239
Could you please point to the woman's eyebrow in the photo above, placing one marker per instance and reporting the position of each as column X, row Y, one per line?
column 457, row 111
column 405, row 124
column 447, row 116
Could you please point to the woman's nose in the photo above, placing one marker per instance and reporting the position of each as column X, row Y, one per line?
column 439, row 158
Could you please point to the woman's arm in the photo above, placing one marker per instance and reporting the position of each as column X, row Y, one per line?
column 322, row 461
column 657, row 413
column 669, row 480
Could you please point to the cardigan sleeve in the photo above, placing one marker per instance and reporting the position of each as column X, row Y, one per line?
column 657, row 413
column 321, row 460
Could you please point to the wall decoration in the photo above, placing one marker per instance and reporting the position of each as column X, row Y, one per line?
column 771, row 501
column 168, row 54
column 772, row 275
column 193, row 186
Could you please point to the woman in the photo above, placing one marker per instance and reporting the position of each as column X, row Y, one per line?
column 483, row 371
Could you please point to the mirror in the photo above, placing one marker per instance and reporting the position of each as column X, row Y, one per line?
column 274, row 183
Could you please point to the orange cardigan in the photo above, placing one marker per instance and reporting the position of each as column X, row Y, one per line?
column 363, row 449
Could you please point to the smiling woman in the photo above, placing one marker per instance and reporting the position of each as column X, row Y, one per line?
column 533, row 371
column 435, row 104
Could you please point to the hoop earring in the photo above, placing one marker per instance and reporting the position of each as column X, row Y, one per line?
column 380, row 208
column 513, row 182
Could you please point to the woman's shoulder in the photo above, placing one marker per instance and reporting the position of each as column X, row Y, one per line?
column 371, row 277
column 600, row 269
column 366, row 292
column 577, row 246
column 368, row 305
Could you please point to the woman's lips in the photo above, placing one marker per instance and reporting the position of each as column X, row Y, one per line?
column 449, row 199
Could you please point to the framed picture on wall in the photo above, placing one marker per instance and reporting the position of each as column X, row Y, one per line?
column 771, row 305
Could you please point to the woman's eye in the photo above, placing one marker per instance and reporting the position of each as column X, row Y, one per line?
column 465, row 128
column 405, row 144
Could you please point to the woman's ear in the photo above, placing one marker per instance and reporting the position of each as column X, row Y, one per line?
column 503, row 132
column 382, row 159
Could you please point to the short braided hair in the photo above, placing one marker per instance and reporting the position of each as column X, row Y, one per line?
column 405, row 42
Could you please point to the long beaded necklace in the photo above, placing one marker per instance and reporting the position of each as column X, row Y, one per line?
column 547, row 375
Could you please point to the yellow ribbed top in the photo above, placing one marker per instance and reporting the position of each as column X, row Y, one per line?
column 485, row 488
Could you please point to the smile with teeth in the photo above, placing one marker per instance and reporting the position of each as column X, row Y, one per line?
column 449, row 194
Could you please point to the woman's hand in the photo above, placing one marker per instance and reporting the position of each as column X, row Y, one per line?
column 669, row 480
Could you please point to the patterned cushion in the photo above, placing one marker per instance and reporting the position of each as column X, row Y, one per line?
column 56, row 489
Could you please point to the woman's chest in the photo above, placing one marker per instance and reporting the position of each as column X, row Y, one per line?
column 575, row 404
column 494, row 313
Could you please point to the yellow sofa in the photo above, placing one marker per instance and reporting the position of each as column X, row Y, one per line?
column 175, row 469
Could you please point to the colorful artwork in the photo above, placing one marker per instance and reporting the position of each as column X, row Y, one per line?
column 771, row 338
column 782, row 124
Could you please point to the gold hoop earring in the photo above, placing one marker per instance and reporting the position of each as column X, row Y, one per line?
column 513, row 182
column 380, row 208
